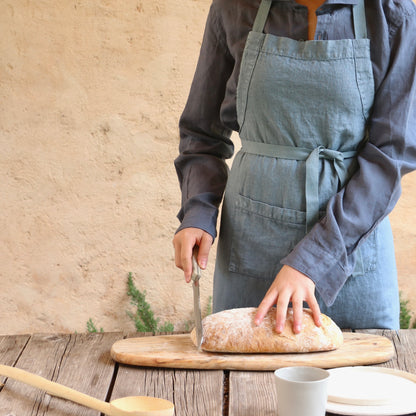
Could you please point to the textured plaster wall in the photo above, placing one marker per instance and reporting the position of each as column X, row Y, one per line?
column 90, row 95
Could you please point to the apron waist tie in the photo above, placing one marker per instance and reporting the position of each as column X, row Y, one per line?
column 312, row 157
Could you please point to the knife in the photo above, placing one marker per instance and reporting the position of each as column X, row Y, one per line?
column 196, row 275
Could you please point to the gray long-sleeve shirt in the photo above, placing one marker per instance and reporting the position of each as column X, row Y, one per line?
column 209, row 117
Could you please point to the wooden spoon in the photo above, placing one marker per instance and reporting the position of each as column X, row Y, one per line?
column 132, row 406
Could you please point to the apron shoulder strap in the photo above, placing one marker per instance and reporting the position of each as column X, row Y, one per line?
column 262, row 14
column 360, row 24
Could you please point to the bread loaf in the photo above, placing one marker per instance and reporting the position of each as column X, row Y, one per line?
column 234, row 331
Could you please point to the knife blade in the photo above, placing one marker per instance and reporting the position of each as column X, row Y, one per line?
column 196, row 275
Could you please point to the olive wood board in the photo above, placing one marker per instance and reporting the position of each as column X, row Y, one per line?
column 178, row 351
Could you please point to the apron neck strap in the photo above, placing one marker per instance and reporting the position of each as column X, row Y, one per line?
column 358, row 12
column 262, row 14
column 360, row 24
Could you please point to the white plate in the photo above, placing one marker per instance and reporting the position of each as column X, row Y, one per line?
column 368, row 391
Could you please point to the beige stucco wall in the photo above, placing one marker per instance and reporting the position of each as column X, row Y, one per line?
column 90, row 95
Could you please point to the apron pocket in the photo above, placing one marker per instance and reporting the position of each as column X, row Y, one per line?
column 262, row 235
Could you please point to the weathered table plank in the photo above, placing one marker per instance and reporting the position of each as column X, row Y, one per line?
column 193, row 392
column 39, row 356
column 80, row 361
column 405, row 346
column 87, row 367
column 252, row 393
column 10, row 349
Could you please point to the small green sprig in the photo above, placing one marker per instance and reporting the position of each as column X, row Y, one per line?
column 405, row 315
column 91, row 327
column 144, row 319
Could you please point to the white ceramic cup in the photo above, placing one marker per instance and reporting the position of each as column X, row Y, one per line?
column 301, row 391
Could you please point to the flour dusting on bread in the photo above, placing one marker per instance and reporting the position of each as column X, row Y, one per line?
column 234, row 331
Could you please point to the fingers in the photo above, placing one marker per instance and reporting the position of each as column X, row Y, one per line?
column 185, row 259
column 297, row 305
column 289, row 286
column 184, row 242
column 267, row 302
column 281, row 311
column 281, row 307
column 204, row 248
column 316, row 311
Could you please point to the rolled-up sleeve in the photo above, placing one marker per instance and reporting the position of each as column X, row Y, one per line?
column 327, row 253
column 204, row 140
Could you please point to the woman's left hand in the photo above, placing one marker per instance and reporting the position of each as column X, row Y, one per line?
column 289, row 285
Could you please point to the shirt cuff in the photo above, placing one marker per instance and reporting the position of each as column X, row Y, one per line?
column 198, row 217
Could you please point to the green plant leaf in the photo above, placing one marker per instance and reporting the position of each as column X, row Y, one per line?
column 143, row 318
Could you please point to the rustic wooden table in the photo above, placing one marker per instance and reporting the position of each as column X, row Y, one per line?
column 83, row 362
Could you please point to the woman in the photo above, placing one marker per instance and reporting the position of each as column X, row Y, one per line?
column 328, row 128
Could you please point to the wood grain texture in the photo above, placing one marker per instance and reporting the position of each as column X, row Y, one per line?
column 177, row 351
column 11, row 348
column 405, row 348
column 87, row 367
column 193, row 392
column 38, row 357
column 80, row 361
column 252, row 391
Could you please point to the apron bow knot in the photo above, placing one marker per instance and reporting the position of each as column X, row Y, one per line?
column 313, row 168
column 312, row 178
column 330, row 154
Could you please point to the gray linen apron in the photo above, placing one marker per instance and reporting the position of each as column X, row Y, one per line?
column 302, row 109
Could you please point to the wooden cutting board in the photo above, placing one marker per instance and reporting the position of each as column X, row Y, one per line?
column 178, row 351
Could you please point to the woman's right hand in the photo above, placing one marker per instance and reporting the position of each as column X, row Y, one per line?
column 184, row 242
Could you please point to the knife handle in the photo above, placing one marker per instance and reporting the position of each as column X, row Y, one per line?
column 196, row 271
